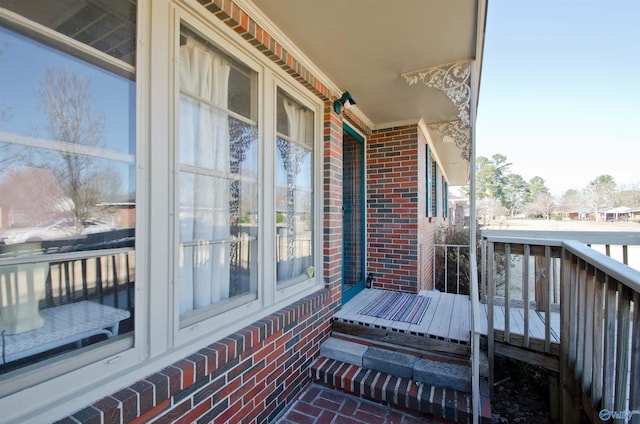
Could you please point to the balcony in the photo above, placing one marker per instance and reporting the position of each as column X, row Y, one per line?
column 551, row 299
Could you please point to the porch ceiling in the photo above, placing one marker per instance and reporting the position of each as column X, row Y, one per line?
column 364, row 46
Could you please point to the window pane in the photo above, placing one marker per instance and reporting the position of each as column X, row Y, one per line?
column 218, row 183
column 240, row 89
column 109, row 27
column 294, row 191
column 67, row 190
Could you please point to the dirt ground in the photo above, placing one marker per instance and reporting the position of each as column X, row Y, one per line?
column 520, row 394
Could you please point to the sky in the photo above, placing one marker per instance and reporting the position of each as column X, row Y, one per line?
column 560, row 90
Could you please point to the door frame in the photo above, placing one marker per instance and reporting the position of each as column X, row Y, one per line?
column 360, row 285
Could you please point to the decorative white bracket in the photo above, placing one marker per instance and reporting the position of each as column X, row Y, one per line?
column 457, row 132
column 454, row 80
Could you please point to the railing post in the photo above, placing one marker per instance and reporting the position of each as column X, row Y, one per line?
column 569, row 401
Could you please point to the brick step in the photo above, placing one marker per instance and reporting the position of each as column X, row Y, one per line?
column 404, row 378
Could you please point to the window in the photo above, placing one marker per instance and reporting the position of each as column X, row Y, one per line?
column 217, row 180
column 229, row 241
column 294, row 190
column 67, row 180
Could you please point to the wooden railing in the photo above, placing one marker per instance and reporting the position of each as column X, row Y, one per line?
column 588, row 304
column 49, row 282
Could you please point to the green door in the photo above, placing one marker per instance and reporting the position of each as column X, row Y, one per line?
column 353, row 215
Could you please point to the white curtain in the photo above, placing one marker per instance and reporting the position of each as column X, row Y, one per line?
column 204, row 199
column 294, row 158
column 296, row 117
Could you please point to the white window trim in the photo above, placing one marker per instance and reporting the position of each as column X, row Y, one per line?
column 270, row 298
column 158, row 340
column 307, row 285
column 60, row 387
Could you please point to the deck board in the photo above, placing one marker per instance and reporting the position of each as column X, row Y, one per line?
column 448, row 317
column 441, row 323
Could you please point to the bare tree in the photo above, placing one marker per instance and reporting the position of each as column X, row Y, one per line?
column 542, row 204
column 599, row 193
column 66, row 101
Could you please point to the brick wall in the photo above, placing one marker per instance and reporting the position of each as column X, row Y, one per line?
column 392, row 208
column 248, row 377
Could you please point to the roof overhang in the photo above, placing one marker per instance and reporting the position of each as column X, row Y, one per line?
column 409, row 61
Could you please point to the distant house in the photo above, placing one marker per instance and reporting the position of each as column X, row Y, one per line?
column 31, row 196
column 619, row 213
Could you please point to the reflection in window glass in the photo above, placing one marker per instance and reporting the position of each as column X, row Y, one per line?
column 218, row 191
column 67, row 189
column 108, row 27
column 294, row 190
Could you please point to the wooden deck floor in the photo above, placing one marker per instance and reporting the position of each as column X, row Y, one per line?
column 448, row 318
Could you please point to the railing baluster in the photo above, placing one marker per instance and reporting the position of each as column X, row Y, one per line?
column 458, row 270
column 85, row 287
column 598, row 337
column 622, row 348
column 507, row 297
column 67, row 282
column 608, row 387
column 114, row 264
column 446, row 267
column 128, row 281
column 483, row 272
column 433, row 266
column 587, row 373
column 625, row 254
column 48, row 289
column 60, row 281
column 582, row 296
column 556, row 280
column 572, row 319
column 525, row 291
column 547, row 302
column 99, row 281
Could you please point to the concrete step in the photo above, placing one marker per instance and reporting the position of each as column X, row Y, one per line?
column 426, row 386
